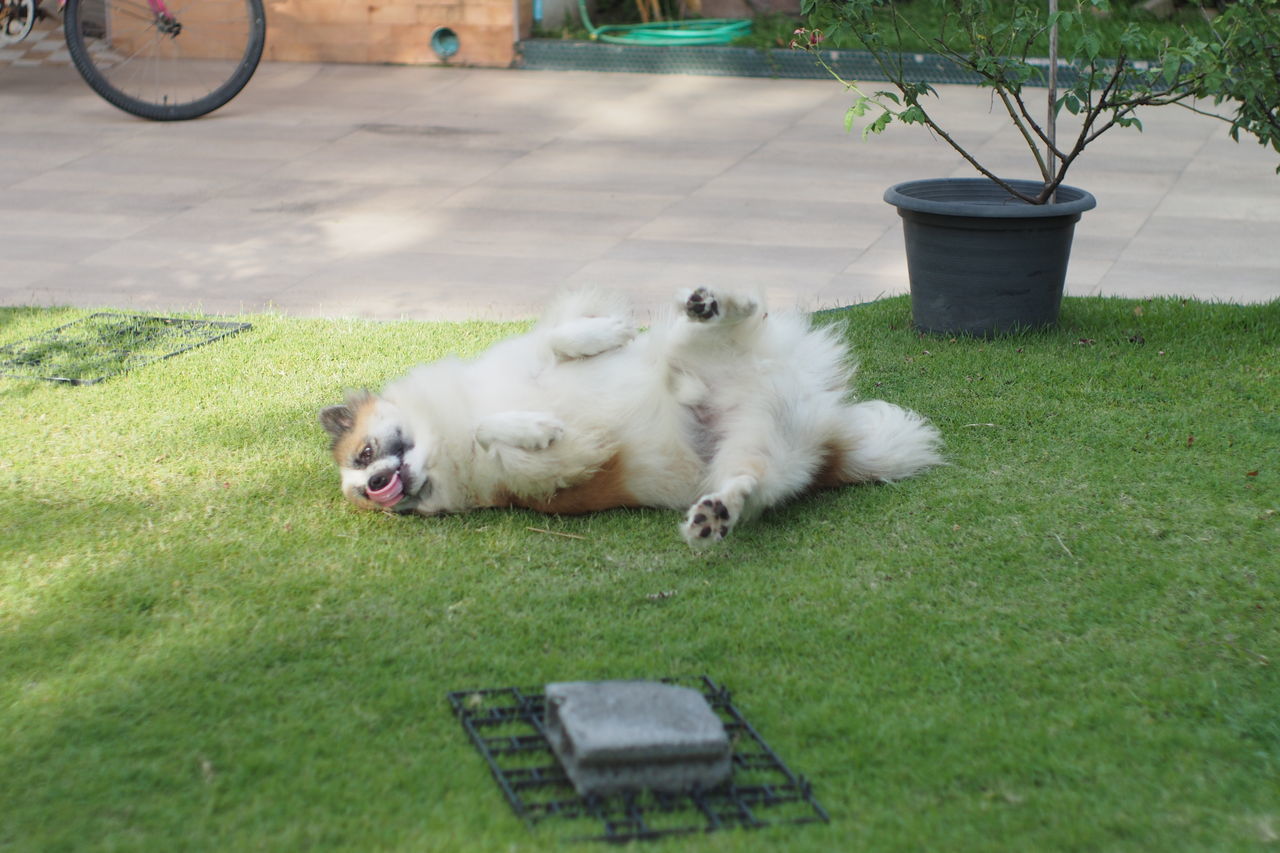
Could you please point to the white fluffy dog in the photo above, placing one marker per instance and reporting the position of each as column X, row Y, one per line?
column 724, row 411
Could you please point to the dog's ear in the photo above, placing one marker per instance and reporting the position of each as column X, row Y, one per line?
column 340, row 420
column 337, row 420
column 357, row 399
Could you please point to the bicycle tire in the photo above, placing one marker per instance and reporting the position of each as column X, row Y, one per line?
column 164, row 63
column 16, row 26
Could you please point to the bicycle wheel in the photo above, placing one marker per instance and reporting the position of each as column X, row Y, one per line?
column 165, row 59
column 16, row 19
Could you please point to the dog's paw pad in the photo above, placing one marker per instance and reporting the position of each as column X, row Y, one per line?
column 708, row 521
column 702, row 305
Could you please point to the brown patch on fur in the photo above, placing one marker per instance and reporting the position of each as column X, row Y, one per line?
column 830, row 473
column 347, row 447
column 606, row 489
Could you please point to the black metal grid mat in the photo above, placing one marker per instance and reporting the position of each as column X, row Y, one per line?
column 505, row 725
column 105, row 344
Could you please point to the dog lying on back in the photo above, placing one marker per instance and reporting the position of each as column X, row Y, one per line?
column 722, row 411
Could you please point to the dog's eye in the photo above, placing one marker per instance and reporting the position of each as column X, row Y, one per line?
column 366, row 455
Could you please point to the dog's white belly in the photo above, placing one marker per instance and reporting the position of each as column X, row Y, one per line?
column 624, row 397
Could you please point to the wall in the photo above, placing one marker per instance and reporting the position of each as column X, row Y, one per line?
column 395, row 31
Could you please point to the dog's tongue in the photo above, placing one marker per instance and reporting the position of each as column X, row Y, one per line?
column 388, row 494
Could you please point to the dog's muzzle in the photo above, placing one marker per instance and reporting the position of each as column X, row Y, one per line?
column 385, row 488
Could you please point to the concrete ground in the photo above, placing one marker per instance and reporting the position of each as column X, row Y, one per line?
column 442, row 193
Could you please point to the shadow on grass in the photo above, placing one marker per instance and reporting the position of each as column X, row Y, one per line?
column 1058, row 640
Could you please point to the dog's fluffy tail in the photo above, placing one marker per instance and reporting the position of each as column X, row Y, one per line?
column 885, row 443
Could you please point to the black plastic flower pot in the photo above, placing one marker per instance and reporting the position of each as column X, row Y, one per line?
column 982, row 262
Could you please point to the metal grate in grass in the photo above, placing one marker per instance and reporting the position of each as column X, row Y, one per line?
column 105, row 344
column 505, row 725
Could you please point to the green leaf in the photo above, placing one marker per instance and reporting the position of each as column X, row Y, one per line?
column 912, row 115
column 878, row 126
column 1091, row 44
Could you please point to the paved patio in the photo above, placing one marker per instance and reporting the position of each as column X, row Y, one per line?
column 444, row 193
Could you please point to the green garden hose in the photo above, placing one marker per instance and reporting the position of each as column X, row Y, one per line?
column 697, row 31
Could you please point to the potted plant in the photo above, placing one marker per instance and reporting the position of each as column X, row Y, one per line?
column 1024, row 226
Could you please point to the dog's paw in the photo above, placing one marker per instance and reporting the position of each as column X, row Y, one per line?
column 544, row 434
column 537, row 434
column 708, row 521
column 415, row 467
column 705, row 306
column 701, row 305
column 523, row 430
column 588, row 336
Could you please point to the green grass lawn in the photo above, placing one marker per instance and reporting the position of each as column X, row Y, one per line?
column 1067, row 639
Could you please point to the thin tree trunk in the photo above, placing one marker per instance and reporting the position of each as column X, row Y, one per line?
column 1051, row 122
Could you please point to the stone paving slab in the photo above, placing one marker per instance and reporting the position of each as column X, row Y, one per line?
column 613, row 736
column 44, row 45
column 444, row 193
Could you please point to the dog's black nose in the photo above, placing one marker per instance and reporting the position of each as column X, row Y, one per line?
column 378, row 482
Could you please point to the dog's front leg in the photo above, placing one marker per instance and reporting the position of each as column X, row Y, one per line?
column 523, row 430
column 587, row 336
column 702, row 305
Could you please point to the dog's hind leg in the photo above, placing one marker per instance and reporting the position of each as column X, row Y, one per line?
column 760, row 482
column 714, row 515
column 761, row 462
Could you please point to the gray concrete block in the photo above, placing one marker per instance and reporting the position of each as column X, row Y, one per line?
column 613, row 736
